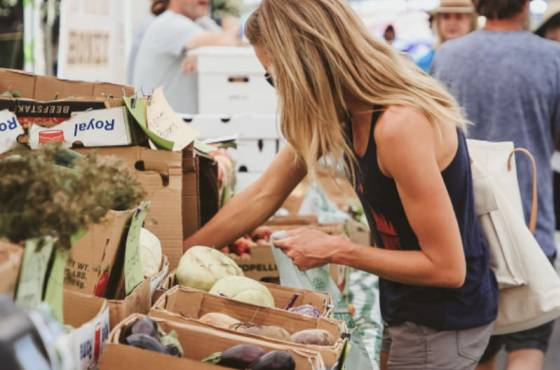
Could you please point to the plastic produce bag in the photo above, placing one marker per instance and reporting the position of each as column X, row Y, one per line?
column 319, row 279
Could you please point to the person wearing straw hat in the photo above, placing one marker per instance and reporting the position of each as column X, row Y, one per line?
column 454, row 19
column 549, row 28
column 451, row 20
column 508, row 82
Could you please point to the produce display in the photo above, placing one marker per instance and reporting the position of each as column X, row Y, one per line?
column 201, row 267
column 243, row 289
column 247, row 357
column 89, row 223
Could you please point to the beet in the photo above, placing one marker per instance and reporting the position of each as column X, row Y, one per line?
column 275, row 360
column 145, row 342
column 306, row 310
column 237, row 357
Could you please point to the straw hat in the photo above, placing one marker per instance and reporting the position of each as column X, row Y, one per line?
column 455, row 6
column 551, row 11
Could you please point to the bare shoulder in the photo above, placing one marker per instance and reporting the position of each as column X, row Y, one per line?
column 401, row 125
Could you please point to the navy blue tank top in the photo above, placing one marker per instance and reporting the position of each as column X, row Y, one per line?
column 474, row 304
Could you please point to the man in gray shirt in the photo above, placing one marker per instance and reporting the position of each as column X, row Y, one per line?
column 161, row 57
column 508, row 81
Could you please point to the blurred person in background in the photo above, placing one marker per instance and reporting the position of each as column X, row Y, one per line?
column 550, row 25
column 390, row 35
column 161, row 59
column 228, row 13
column 453, row 19
column 508, row 81
column 157, row 7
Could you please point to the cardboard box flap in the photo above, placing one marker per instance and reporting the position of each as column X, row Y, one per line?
column 139, row 301
column 291, row 220
column 95, row 254
column 119, row 357
column 51, row 88
column 80, row 308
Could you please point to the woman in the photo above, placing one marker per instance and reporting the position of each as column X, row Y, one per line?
column 453, row 19
column 347, row 96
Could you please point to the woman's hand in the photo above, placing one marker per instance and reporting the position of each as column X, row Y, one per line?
column 310, row 248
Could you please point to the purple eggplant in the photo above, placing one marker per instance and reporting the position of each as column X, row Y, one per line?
column 275, row 360
column 237, row 357
column 145, row 341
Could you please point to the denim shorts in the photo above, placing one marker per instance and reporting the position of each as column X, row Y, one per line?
column 415, row 347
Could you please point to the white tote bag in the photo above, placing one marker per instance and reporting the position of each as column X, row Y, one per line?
column 529, row 286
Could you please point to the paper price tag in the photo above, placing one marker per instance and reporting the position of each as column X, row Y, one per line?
column 55, row 285
column 165, row 123
column 36, row 257
column 133, row 271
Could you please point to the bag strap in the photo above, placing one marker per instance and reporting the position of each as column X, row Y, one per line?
column 534, row 196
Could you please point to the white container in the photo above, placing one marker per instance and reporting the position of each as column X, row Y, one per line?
column 231, row 81
column 255, row 155
column 244, row 126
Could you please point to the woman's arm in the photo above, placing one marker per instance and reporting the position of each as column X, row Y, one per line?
column 406, row 151
column 254, row 205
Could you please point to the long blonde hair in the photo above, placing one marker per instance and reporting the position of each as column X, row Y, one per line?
column 321, row 54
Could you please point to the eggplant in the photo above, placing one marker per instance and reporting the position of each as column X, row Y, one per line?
column 145, row 341
column 146, row 326
column 275, row 360
column 236, row 357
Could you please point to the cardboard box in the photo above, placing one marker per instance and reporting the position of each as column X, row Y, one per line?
column 49, row 88
column 48, row 113
column 10, row 260
column 89, row 316
column 119, row 357
column 199, row 342
column 95, row 254
column 158, row 279
column 161, row 175
column 231, row 81
column 181, row 188
column 138, row 301
column 282, row 295
column 94, row 128
column 259, row 265
column 180, row 303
